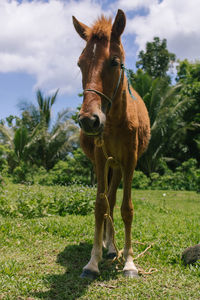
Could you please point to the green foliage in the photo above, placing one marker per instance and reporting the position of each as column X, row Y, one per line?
column 1, row 183
column 59, row 175
column 20, row 141
column 24, row 173
column 167, row 125
column 140, row 181
column 157, row 59
column 34, row 139
column 67, row 173
column 167, row 110
column 174, row 110
column 32, row 201
column 81, row 200
column 81, row 168
column 3, row 157
column 142, row 83
column 45, row 105
column 186, row 177
column 188, row 75
column 76, row 169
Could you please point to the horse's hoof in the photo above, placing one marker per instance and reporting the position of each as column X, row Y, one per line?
column 89, row 274
column 111, row 255
column 131, row 273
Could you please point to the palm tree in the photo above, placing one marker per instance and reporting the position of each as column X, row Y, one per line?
column 166, row 111
column 36, row 140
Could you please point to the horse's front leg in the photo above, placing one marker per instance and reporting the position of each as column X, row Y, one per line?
column 130, row 269
column 108, row 229
column 91, row 270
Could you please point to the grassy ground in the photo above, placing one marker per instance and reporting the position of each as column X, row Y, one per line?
column 42, row 258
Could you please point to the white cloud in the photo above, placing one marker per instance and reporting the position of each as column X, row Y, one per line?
column 177, row 21
column 128, row 5
column 38, row 38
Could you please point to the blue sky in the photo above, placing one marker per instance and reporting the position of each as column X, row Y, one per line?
column 39, row 47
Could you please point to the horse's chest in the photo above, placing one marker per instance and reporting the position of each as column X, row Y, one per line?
column 119, row 141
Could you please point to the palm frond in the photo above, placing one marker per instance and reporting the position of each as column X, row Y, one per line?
column 53, row 98
column 7, row 134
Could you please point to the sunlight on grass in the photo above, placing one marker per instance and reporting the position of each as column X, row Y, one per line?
column 42, row 257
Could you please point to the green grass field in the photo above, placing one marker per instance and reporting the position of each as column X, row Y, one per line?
column 42, row 258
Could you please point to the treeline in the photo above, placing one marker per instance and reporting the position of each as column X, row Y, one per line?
column 34, row 149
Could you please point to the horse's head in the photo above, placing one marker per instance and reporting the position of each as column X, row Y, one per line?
column 100, row 64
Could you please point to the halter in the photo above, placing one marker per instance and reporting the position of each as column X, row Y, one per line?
column 110, row 100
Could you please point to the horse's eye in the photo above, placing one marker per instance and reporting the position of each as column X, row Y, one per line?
column 115, row 61
column 78, row 64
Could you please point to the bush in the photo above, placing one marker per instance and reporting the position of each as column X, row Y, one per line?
column 189, row 175
column 140, row 180
column 3, row 155
column 33, row 201
column 59, row 175
column 186, row 177
column 76, row 169
column 24, row 173
column 1, row 182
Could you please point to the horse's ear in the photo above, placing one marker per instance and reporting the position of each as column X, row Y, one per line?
column 80, row 28
column 118, row 25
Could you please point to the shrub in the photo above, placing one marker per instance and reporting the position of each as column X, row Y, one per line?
column 1, row 182
column 3, row 157
column 140, row 180
column 186, row 177
column 24, row 173
column 189, row 175
column 76, row 169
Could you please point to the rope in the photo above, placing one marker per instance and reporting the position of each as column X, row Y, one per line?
column 110, row 162
column 111, row 99
column 129, row 81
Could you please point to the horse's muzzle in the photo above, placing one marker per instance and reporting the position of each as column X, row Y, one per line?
column 91, row 125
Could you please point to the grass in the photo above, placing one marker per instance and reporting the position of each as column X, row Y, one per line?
column 42, row 257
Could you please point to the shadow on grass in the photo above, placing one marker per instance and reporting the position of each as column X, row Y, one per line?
column 69, row 285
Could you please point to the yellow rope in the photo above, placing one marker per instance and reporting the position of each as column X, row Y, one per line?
column 110, row 162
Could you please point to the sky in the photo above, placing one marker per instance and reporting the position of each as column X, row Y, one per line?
column 39, row 48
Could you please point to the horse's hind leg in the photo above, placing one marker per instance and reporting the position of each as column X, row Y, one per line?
column 108, row 230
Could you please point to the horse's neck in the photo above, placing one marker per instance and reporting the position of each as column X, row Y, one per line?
column 119, row 105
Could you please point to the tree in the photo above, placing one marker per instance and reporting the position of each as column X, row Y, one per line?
column 157, row 60
column 166, row 110
column 34, row 139
column 188, row 74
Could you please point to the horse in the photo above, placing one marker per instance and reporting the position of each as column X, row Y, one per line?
column 112, row 110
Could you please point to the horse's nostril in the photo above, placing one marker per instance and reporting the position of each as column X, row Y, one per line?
column 89, row 124
column 96, row 123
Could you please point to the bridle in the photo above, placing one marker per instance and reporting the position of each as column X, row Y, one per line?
column 110, row 100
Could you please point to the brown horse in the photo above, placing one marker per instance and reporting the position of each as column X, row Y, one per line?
column 109, row 111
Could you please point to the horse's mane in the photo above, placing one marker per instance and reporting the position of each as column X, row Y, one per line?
column 101, row 29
